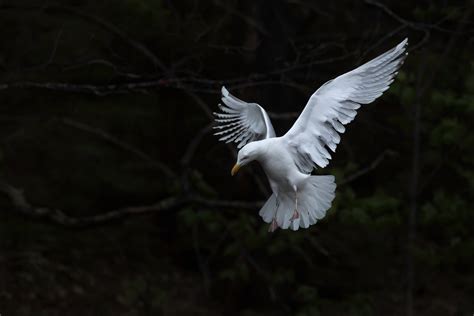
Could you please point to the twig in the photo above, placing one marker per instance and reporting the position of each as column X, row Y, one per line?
column 389, row 12
column 115, row 141
column 227, row 204
column 52, row 55
column 99, row 90
column 109, row 27
column 102, row 62
column 413, row 25
column 283, row 116
column 189, row 154
column 193, row 145
column 247, row 19
column 367, row 169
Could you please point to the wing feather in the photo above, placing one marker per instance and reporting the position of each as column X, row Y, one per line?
column 335, row 104
column 241, row 122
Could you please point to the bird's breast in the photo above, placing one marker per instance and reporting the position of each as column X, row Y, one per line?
column 279, row 167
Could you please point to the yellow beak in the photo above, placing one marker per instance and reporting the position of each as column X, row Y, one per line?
column 235, row 169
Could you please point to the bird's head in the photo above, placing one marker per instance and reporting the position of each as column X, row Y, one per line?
column 247, row 154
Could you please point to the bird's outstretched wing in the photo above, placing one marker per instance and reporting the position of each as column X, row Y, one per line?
column 335, row 104
column 241, row 122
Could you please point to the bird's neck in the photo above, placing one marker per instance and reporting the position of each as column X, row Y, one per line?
column 260, row 149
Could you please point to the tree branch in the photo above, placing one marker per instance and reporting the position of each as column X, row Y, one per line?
column 53, row 8
column 367, row 169
column 99, row 90
column 21, row 204
column 115, row 141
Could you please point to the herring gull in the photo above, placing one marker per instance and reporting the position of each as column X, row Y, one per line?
column 300, row 199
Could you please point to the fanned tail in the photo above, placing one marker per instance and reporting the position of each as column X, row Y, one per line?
column 315, row 197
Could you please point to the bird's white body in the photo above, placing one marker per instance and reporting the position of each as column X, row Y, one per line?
column 300, row 199
column 279, row 165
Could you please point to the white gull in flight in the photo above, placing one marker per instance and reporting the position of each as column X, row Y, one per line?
column 300, row 199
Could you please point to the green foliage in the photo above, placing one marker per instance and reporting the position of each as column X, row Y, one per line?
column 376, row 211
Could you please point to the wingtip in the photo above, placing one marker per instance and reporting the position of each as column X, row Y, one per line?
column 401, row 47
column 224, row 91
column 403, row 43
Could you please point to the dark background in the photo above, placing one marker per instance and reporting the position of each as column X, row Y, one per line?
column 116, row 199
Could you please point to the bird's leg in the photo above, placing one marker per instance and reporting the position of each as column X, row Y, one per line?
column 274, row 224
column 296, row 214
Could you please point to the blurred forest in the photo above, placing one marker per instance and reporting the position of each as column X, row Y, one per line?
column 116, row 199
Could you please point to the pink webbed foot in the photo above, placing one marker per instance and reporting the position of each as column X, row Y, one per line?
column 296, row 215
column 273, row 226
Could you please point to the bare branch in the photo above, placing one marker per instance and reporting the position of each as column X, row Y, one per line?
column 413, row 25
column 115, row 141
column 247, row 19
column 19, row 201
column 367, row 169
column 99, row 90
column 283, row 116
column 193, row 145
column 52, row 55
column 102, row 62
column 228, row 203
column 389, row 12
column 53, row 8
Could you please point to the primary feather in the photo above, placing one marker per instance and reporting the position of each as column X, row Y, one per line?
column 241, row 122
column 335, row 104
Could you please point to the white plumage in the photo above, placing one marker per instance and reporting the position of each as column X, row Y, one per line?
column 299, row 199
column 242, row 122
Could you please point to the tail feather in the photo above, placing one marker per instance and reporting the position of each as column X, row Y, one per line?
column 268, row 209
column 315, row 197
